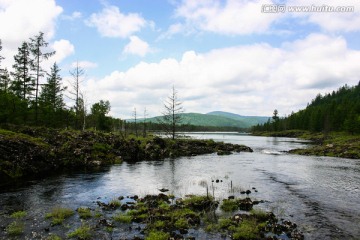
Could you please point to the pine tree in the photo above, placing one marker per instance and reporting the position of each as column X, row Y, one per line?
column 36, row 45
column 4, row 75
column 23, row 82
column 52, row 92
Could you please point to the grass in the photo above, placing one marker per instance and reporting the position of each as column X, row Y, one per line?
column 59, row 214
column 229, row 205
column 114, row 203
column 53, row 237
column 15, row 228
column 18, row 214
column 157, row 235
column 120, row 217
column 84, row 212
column 181, row 223
column 83, row 232
column 248, row 229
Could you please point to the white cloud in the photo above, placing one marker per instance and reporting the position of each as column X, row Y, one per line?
column 226, row 17
column 252, row 79
column 22, row 19
column 110, row 22
column 63, row 49
column 330, row 21
column 241, row 17
column 137, row 46
column 73, row 16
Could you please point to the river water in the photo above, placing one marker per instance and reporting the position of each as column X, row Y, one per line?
column 320, row 194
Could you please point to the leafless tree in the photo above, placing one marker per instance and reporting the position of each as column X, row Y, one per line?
column 75, row 93
column 171, row 116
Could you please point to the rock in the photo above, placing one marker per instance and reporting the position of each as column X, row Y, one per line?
column 163, row 190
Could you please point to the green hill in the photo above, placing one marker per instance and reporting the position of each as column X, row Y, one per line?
column 249, row 120
column 215, row 119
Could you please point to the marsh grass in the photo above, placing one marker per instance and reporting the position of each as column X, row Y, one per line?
column 83, row 232
column 18, row 214
column 59, row 214
column 15, row 228
column 84, row 212
column 120, row 217
column 158, row 235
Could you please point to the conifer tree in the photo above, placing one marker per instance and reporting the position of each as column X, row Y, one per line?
column 23, row 82
column 52, row 92
column 36, row 47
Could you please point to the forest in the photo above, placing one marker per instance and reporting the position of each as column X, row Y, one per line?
column 26, row 100
column 336, row 111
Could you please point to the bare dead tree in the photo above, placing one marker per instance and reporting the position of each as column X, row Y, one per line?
column 77, row 74
column 171, row 116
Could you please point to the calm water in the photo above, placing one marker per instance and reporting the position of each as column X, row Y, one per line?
column 321, row 194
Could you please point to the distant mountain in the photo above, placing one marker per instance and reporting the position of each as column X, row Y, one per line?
column 250, row 120
column 216, row 119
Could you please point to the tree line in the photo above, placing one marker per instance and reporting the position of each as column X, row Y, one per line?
column 26, row 100
column 336, row 111
column 30, row 95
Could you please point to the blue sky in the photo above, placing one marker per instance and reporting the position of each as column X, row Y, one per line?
column 224, row 55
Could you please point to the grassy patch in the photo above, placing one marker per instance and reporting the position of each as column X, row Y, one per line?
column 58, row 215
column 83, row 232
column 84, row 212
column 15, row 228
column 248, row 229
column 229, row 205
column 158, row 235
column 53, row 237
column 119, row 217
column 18, row 214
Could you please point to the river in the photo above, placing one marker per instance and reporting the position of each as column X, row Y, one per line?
column 320, row 194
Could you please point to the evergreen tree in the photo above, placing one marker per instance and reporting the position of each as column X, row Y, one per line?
column 52, row 92
column 23, row 83
column 36, row 45
column 4, row 80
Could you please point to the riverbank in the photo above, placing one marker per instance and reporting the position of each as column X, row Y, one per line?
column 334, row 144
column 29, row 151
column 155, row 217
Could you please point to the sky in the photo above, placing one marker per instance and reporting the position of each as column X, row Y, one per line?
column 245, row 57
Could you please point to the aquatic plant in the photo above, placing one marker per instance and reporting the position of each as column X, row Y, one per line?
column 120, row 217
column 59, row 214
column 83, row 232
column 15, row 228
column 158, row 235
column 84, row 212
column 229, row 205
column 18, row 214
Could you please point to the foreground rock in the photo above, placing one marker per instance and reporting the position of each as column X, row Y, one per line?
column 37, row 151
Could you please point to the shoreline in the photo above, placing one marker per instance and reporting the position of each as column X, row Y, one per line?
column 333, row 144
column 29, row 151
